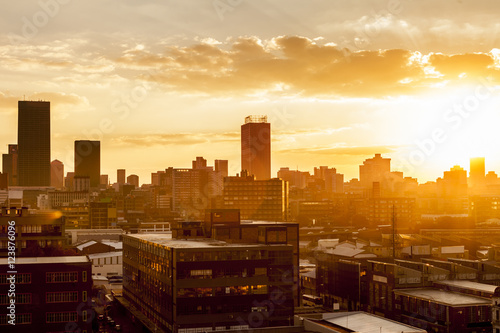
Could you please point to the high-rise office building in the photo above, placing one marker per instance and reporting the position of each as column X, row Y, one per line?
column 120, row 175
column 477, row 175
column 88, row 160
column 9, row 165
column 256, row 147
column 57, row 174
column 133, row 180
column 33, row 138
column 104, row 180
column 221, row 167
column 374, row 169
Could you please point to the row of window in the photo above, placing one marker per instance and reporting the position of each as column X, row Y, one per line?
column 51, row 277
column 22, row 278
column 20, row 299
column 58, row 277
column 21, row 318
column 50, row 297
column 222, row 291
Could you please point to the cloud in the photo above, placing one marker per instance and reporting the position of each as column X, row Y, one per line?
column 174, row 139
column 294, row 65
column 353, row 150
column 9, row 101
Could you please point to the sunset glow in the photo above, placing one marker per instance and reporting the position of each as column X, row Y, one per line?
column 160, row 83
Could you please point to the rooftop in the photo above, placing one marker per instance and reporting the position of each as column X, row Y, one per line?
column 194, row 243
column 470, row 285
column 443, row 297
column 48, row 260
column 362, row 322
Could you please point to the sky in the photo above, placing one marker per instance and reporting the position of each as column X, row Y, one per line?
column 160, row 82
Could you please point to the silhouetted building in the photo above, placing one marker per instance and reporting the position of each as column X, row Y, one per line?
column 133, row 180
column 10, row 165
column 57, row 174
column 33, row 138
column 88, row 160
column 120, row 176
column 256, row 147
column 52, row 294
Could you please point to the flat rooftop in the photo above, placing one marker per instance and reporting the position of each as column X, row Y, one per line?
column 443, row 297
column 47, row 260
column 362, row 322
column 194, row 243
column 470, row 285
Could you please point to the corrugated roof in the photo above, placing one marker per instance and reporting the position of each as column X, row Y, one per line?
column 443, row 297
column 361, row 322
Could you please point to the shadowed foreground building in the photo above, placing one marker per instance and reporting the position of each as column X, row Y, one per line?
column 33, row 229
column 194, row 283
column 52, row 294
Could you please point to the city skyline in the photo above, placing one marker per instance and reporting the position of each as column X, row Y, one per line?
column 338, row 82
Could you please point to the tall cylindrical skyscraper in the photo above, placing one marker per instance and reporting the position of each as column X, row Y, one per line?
column 33, row 138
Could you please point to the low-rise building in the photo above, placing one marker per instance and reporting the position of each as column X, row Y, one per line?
column 52, row 294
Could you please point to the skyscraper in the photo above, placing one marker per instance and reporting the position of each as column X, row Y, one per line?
column 33, row 138
column 120, row 175
column 477, row 174
column 256, row 147
column 88, row 160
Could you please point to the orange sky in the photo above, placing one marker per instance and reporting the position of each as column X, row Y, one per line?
column 160, row 83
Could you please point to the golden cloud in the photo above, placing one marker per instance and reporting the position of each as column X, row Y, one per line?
column 298, row 65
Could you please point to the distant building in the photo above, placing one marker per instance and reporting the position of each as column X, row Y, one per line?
column 10, row 165
column 68, row 181
column 104, row 180
column 265, row 200
column 477, row 172
column 81, row 183
column 57, row 174
column 256, row 147
column 120, row 176
column 33, row 138
column 88, row 161
column 102, row 215
column 52, row 294
column 375, row 169
column 133, row 180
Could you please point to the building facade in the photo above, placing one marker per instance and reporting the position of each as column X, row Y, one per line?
column 256, row 147
column 88, row 161
column 33, row 138
column 52, row 294
column 265, row 200
column 200, row 284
